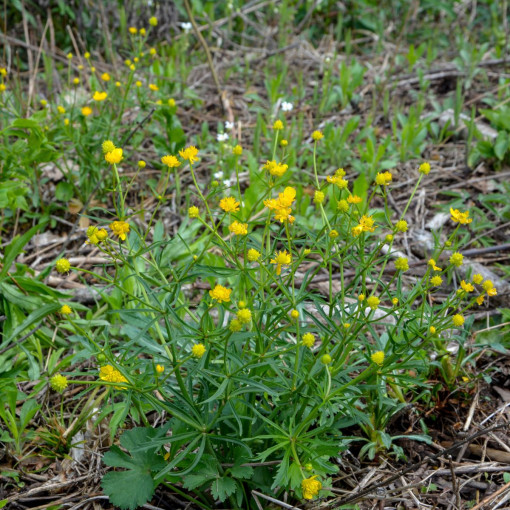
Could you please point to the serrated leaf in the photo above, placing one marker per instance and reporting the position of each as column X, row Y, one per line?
column 222, row 488
column 135, row 486
column 128, row 489
column 193, row 481
column 242, row 472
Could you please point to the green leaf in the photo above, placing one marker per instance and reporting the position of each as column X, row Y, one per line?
column 222, row 488
column 135, row 486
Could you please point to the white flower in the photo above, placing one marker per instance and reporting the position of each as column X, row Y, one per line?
column 286, row 106
column 186, row 26
column 218, row 175
column 229, row 125
column 222, row 137
column 227, row 183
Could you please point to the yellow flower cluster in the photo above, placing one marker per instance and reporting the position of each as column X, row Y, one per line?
column 238, row 229
column 460, row 217
column 170, row 161
column 229, row 204
column 311, row 487
column 383, row 179
column 189, row 154
column 275, row 169
column 282, row 206
column 111, row 374
column 96, row 235
column 63, row 265
column 378, row 357
column 282, row 258
column 120, row 229
column 58, row 383
column 198, row 350
column 366, row 224
column 308, row 340
column 220, row 294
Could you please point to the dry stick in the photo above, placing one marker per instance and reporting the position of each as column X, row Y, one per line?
column 416, row 465
column 491, row 497
column 22, row 339
column 455, row 484
column 207, row 54
column 274, row 500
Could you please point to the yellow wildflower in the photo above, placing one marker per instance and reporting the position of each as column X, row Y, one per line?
column 460, row 217
column 111, row 374
column 153, row 21
column 333, row 234
column 282, row 205
column 235, row 326
column 253, row 255
column 401, row 226
column 133, row 30
column 142, row 164
column 318, row 197
column 198, row 350
column 456, row 259
column 467, row 287
column 278, row 125
column 282, row 258
column 424, row 168
column 378, row 357
column 99, row 96
column 402, row 264
column 86, row 111
column 160, row 369
column 229, row 204
column 61, row 110
column 477, row 278
column 65, row 310
column 373, row 302
column 189, row 154
column 383, row 179
column 488, row 286
column 220, row 294
column 237, row 150
column 432, row 264
column 114, row 157
column 120, row 229
column 62, row 265
column 153, row 87
column 436, row 281
column 326, row 360
column 170, row 161
column 308, row 340
column 294, row 314
column 395, row 301
column 244, row 316
column 58, row 383
column 479, row 300
column 193, row 212
column 105, row 77
column 238, row 229
column 432, row 330
column 342, row 206
column 354, row 199
column 458, row 320
column 317, row 135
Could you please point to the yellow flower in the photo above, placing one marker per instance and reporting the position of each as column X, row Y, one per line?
column 86, row 111
column 108, row 146
column 198, row 350
column 276, row 169
column 170, row 161
column 395, row 301
column 61, row 110
column 432, row 263
column 193, row 212
column 66, row 122
column 133, row 30
column 87, row 55
column 361, row 297
column 105, row 77
column 92, row 69
column 69, row 56
column 120, row 229
column 142, row 32
column 111, row 374
column 346, row 325
column 308, row 340
column 354, row 199
column 378, row 357
column 171, row 103
column 477, row 278
column 160, row 369
column 468, row 287
column 460, row 217
column 114, row 157
column 117, row 84
column 58, row 383
column 237, row 150
column 99, row 96
column 142, row 164
column 401, row 226
column 342, row 206
column 284, row 143
column 458, row 320
column 153, row 21
column 307, row 252
column 436, row 281
column 373, row 302
column 278, row 125
column 3, row 88
column 294, row 314
column 383, row 179
column 424, row 168
column 65, row 310
column 282, row 205
column 317, row 135
column 244, row 316
column 388, row 238
column 138, row 83
column 333, row 234
column 432, row 330
column 479, row 300
column 62, row 265
column 402, row 264
column 189, row 154
column 229, row 204
column 238, row 229
column 318, row 197
column 43, row 102
column 235, row 326
column 153, row 87
column 253, row 255
column 326, row 360
column 220, row 294
column 488, row 286
column 101, row 234
column 456, row 259
column 282, row 258
column 3, row 71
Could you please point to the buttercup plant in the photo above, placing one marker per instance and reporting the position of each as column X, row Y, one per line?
column 263, row 367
